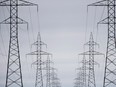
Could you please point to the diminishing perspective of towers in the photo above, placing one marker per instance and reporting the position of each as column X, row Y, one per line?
column 110, row 63
column 45, row 74
column 41, row 66
column 14, row 73
column 82, row 75
column 38, row 52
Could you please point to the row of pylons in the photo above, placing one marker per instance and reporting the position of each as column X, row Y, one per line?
column 109, row 79
column 86, row 73
column 52, row 79
column 14, row 73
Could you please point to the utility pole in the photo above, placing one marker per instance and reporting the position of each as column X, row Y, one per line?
column 110, row 62
column 91, row 62
column 14, row 73
column 39, row 53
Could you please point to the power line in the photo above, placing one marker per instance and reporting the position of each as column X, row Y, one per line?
column 31, row 23
column 110, row 62
column 91, row 62
column 14, row 73
column 39, row 53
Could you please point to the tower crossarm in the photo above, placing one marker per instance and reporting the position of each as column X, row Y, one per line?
column 101, row 3
column 36, row 53
column 105, row 21
column 93, row 52
column 20, row 3
column 20, row 21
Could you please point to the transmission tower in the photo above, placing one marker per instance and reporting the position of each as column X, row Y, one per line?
column 91, row 62
column 110, row 63
column 14, row 73
column 55, row 81
column 84, row 68
column 48, row 69
column 83, row 71
column 39, row 53
column 79, row 80
column 48, row 72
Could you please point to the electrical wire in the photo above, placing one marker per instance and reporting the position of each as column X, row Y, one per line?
column 5, row 53
column 5, row 17
column 38, row 22
column 86, row 28
column 6, row 30
column 30, row 15
column 94, row 23
column 94, row 20
column 98, row 25
column 100, row 19
column 31, row 23
column 2, row 41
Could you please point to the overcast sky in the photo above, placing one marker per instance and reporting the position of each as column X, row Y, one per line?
column 65, row 25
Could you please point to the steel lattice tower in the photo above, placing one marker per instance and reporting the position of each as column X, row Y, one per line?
column 91, row 62
column 83, row 70
column 53, row 75
column 55, row 81
column 48, row 72
column 79, row 80
column 14, row 73
column 48, row 69
column 110, row 63
column 39, row 53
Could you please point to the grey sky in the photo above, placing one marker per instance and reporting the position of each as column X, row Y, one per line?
column 62, row 24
